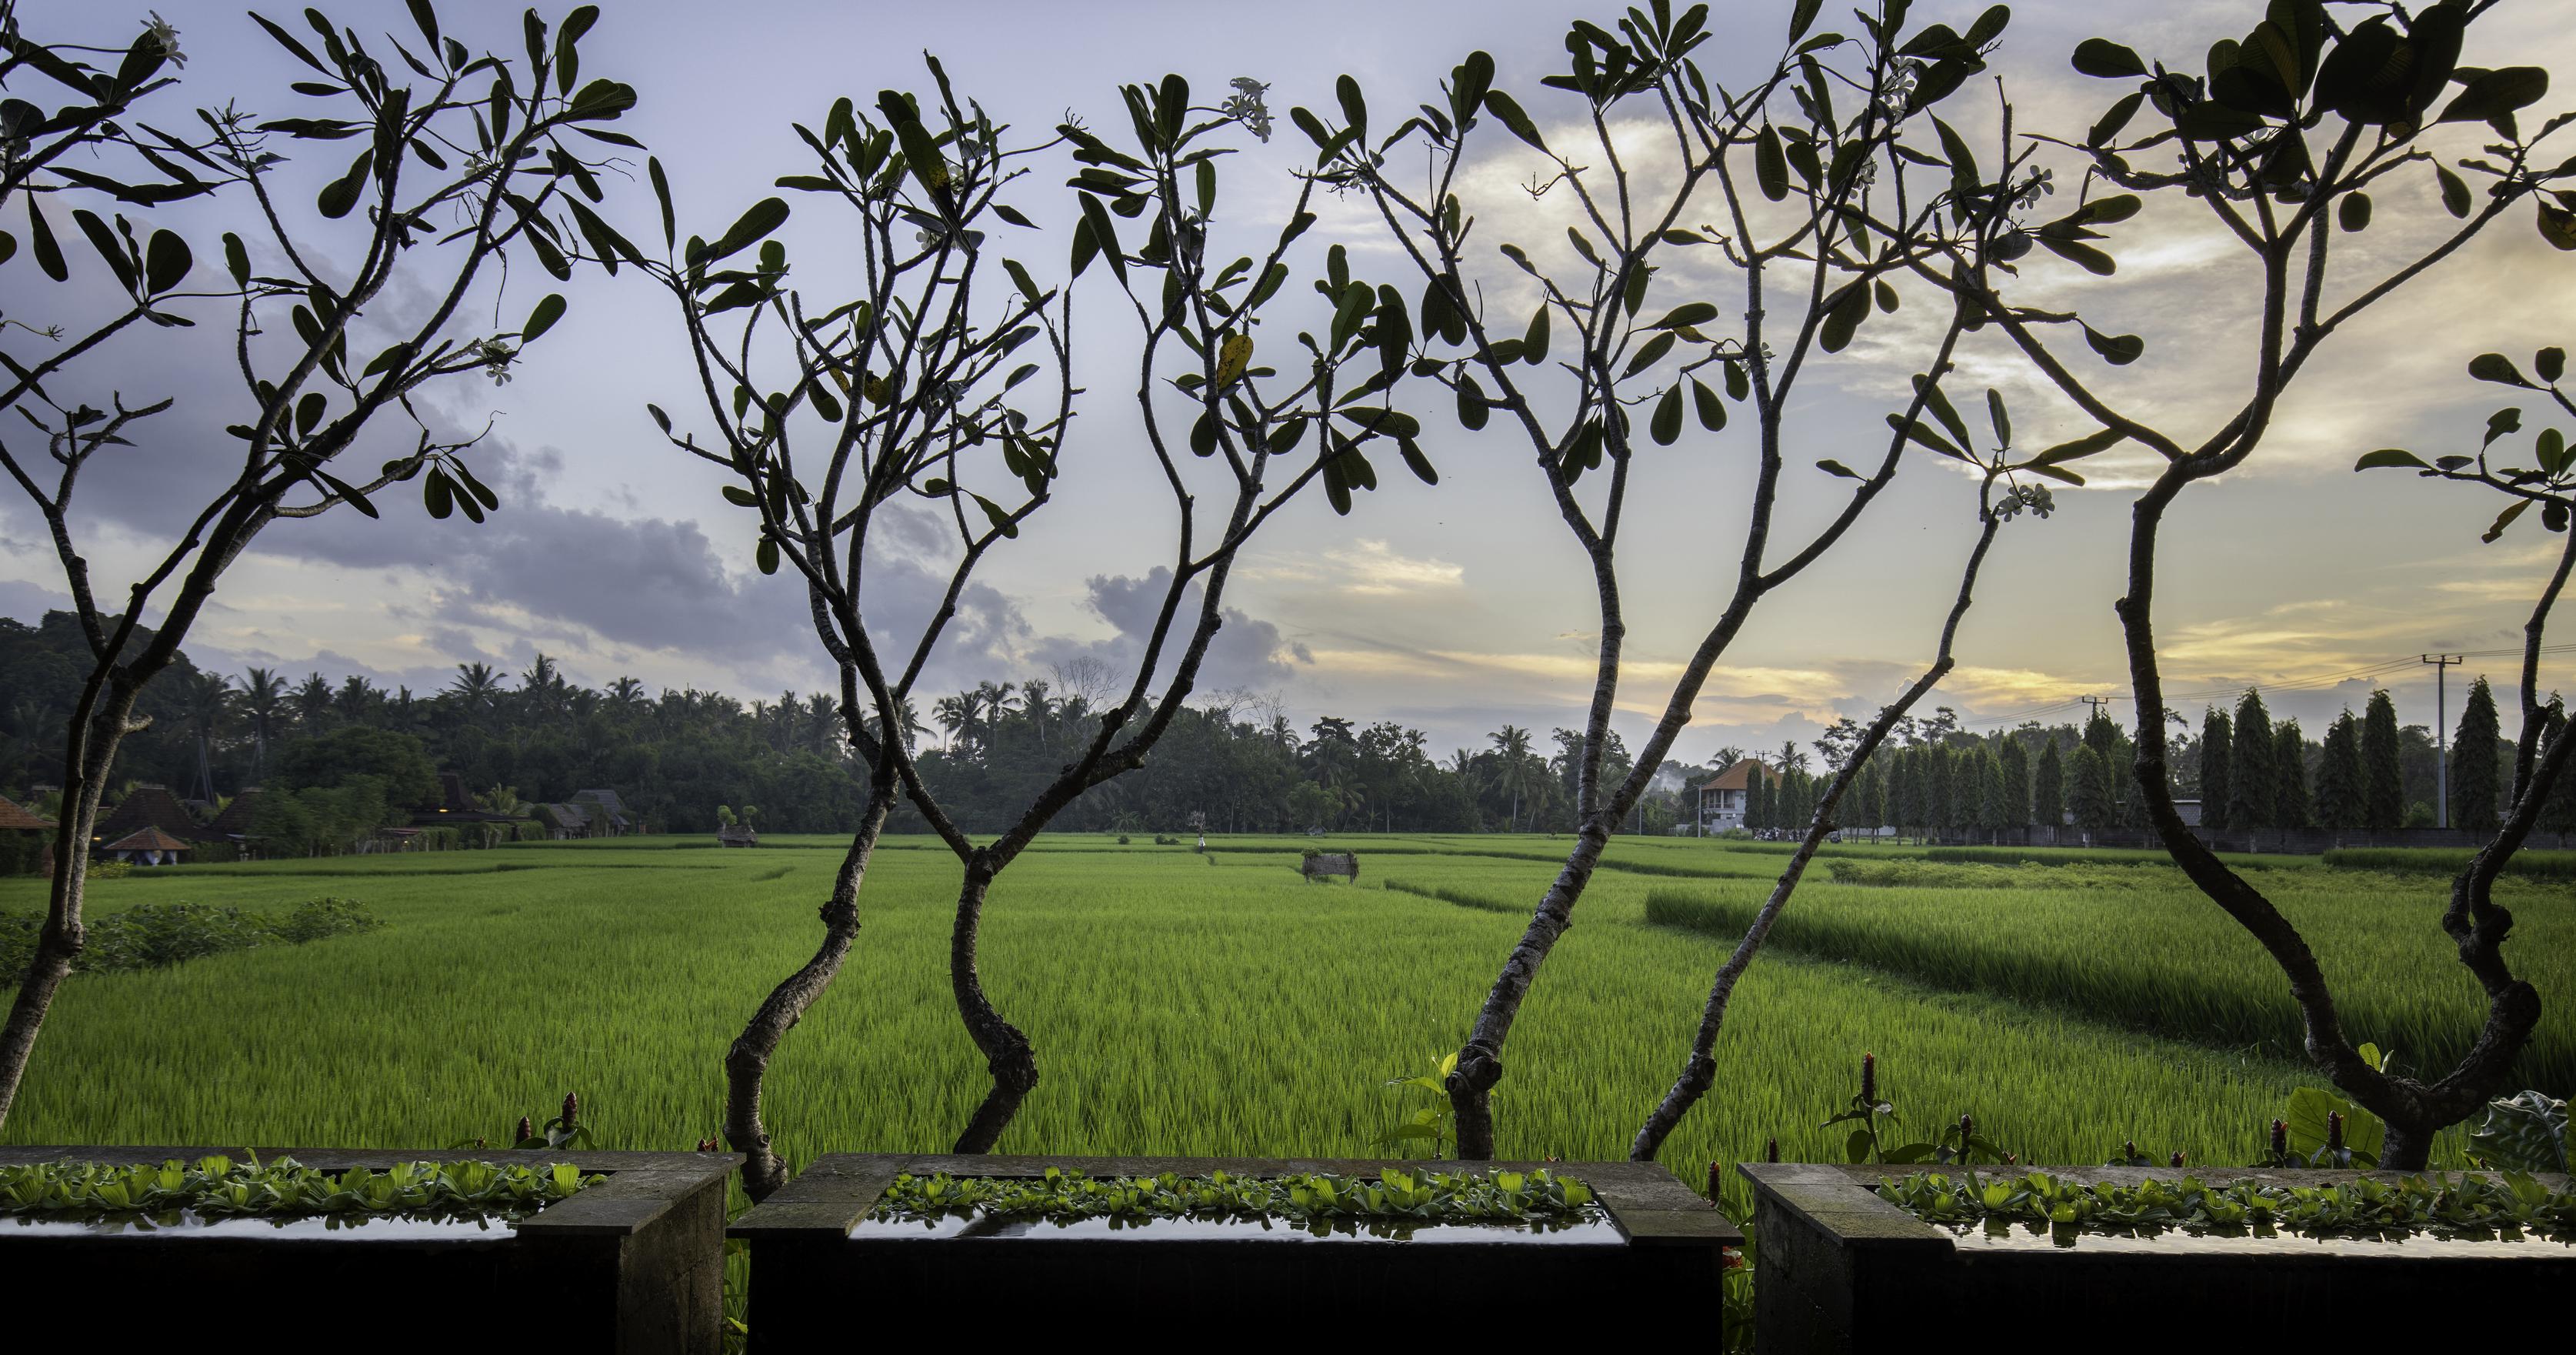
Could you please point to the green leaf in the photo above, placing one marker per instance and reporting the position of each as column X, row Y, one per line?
column 2104, row 59
column 109, row 248
column 1103, row 234
column 2353, row 213
column 1770, row 166
column 1666, row 425
column 1688, row 313
column 1534, row 343
column 1914, row 430
column 542, row 318
column 2496, row 367
column 1710, row 409
column 662, row 194
column 1999, row 417
column 1501, row 106
column 2390, row 456
column 2084, row 256
column 236, row 259
column 2455, row 193
column 166, row 261
column 1802, row 16
column 2117, row 349
column 2077, row 449
column 1832, row 467
column 2551, row 363
column 767, row 555
column 754, row 224
column 2504, row 520
column 48, row 250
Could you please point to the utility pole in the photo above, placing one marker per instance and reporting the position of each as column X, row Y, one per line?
column 2441, row 734
column 2097, row 703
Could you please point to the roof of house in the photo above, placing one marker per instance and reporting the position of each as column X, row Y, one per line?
column 235, row 820
column 13, row 816
column 151, row 806
column 147, row 839
column 605, row 799
column 1737, row 775
column 563, row 816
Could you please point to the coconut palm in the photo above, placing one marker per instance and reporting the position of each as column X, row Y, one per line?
column 263, row 703
column 313, row 704
column 1512, row 745
column 207, row 700
column 477, row 688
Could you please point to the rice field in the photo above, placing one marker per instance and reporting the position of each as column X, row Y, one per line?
column 1219, row 1004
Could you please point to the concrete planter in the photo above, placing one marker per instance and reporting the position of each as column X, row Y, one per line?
column 633, row 1264
column 1843, row 1270
column 815, row 1262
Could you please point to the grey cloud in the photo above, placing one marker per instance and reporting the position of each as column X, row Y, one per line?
column 1246, row 652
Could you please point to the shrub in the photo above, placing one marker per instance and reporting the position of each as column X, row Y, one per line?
column 158, row 935
column 2437, row 861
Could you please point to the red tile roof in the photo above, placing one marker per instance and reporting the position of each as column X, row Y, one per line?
column 12, row 816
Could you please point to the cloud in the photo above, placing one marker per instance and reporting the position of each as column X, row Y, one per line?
column 1245, row 653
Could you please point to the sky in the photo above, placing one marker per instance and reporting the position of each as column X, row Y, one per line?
column 1454, row 609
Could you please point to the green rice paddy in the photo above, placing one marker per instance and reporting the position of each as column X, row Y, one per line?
column 1219, row 1004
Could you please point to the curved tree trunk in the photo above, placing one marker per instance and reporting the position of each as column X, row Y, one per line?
column 90, row 754
column 1012, row 1060
column 1480, row 1062
column 747, row 1062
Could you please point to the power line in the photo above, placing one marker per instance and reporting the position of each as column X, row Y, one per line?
column 2313, row 682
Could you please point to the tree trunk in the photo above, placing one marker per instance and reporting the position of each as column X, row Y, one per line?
column 747, row 1062
column 1007, row 1052
column 90, row 753
column 1480, row 1063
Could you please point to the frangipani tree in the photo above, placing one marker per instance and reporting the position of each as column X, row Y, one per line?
column 461, row 161
column 911, row 392
column 2285, row 139
column 1813, row 193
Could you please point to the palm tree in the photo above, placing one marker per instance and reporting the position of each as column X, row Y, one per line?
column 477, row 688
column 312, row 703
column 263, row 699
column 208, row 700
column 1512, row 743
column 626, row 693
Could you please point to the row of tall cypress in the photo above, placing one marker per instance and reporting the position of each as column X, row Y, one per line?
column 2253, row 774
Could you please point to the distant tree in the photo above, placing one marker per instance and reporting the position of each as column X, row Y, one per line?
column 2290, row 777
column 2089, row 777
column 2341, row 800
column 1894, row 797
column 2475, row 768
column 2252, row 795
column 2048, row 788
column 2216, row 738
column 2102, row 734
column 2558, row 815
column 1757, row 799
column 2383, row 776
column 2014, row 769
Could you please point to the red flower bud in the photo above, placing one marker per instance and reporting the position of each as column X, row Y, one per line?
column 2129, row 1150
column 1771, row 1151
column 2012, row 1159
column 571, row 1112
column 2334, row 1131
column 2280, row 1138
column 1967, row 1126
column 2177, row 1159
column 527, row 1130
column 1869, row 1078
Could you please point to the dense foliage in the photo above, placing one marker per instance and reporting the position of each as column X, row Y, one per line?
column 1396, row 1199
column 282, row 1188
column 2466, row 1206
column 157, row 935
